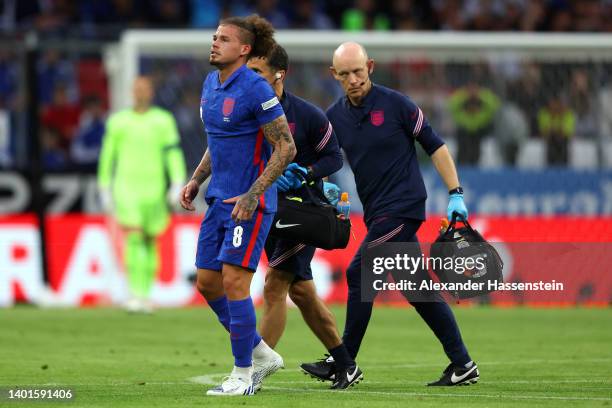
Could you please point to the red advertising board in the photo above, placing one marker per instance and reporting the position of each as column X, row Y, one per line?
column 85, row 268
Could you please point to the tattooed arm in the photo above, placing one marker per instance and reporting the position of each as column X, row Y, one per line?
column 201, row 173
column 278, row 135
column 203, row 170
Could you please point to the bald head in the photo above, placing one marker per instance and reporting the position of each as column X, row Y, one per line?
column 350, row 51
column 352, row 68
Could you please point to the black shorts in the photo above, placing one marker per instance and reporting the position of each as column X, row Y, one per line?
column 291, row 257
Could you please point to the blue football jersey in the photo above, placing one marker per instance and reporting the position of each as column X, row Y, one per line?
column 233, row 113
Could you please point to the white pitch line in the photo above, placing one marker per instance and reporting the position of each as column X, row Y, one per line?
column 209, row 379
column 423, row 394
column 213, row 379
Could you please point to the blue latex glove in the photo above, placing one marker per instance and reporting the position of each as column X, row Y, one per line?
column 456, row 204
column 294, row 180
column 332, row 192
column 282, row 184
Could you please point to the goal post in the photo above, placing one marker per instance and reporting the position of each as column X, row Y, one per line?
column 305, row 45
column 428, row 66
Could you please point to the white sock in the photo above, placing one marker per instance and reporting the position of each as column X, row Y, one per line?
column 243, row 372
column 262, row 351
column 469, row 365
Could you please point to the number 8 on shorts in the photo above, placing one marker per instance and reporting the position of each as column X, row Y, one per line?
column 237, row 241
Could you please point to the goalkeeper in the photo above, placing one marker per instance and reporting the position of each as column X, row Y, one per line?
column 139, row 146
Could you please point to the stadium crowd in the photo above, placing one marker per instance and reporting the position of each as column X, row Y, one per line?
column 108, row 17
column 555, row 102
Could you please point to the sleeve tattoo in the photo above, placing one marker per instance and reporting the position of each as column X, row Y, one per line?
column 203, row 170
column 278, row 135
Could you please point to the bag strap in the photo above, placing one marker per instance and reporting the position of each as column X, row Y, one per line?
column 457, row 217
column 309, row 190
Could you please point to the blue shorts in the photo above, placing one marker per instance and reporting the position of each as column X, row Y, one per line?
column 221, row 240
column 291, row 257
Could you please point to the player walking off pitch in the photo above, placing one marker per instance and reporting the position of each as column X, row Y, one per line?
column 249, row 147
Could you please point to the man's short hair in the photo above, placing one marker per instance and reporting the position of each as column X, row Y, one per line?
column 278, row 58
column 255, row 31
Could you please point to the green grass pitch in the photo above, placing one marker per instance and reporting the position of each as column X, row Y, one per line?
column 527, row 357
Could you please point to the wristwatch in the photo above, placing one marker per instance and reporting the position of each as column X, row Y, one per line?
column 458, row 190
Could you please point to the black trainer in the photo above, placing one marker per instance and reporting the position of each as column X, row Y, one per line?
column 347, row 378
column 457, row 375
column 322, row 370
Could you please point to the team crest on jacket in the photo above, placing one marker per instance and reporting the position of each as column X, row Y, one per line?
column 228, row 107
column 377, row 117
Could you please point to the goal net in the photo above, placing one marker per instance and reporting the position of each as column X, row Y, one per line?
column 526, row 73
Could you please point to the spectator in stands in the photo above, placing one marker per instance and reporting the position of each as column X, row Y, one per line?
column 9, row 78
column 270, row 10
column 561, row 19
column 306, row 16
column 412, row 15
column 54, row 156
column 534, row 17
column 528, row 93
column 473, row 109
column 128, row 13
column 581, row 97
column 365, row 15
column 206, row 13
column 20, row 14
column 85, row 147
column 605, row 111
column 588, row 15
column 510, row 18
column 482, row 15
column 101, row 17
column 606, row 17
column 335, row 8
column 189, row 123
column 106, row 18
column 511, row 130
column 6, row 137
column 557, row 125
column 48, row 17
column 448, row 13
column 62, row 115
column 52, row 70
column 170, row 13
